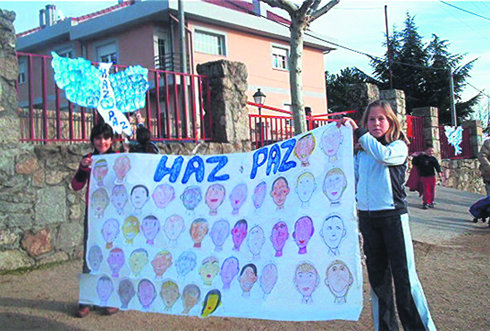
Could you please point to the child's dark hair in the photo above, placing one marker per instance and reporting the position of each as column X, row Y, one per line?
column 101, row 128
column 429, row 145
column 143, row 136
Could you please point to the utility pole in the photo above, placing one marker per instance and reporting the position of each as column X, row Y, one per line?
column 388, row 46
column 454, row 119
column 182, row 39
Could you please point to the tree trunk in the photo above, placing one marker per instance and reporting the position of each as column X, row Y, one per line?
column 297, row 29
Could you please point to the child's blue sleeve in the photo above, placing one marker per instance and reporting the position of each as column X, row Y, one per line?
column 395, row 153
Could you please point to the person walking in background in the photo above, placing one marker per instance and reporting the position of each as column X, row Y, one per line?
column 484, row 158
column 427, row 166
column 383, row 220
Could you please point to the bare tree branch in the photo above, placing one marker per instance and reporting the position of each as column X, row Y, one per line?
column 324, row 9
column 303, row 10
column 287, row 5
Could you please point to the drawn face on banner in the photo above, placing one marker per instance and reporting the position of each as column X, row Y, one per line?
column 259, row 194
column 119, row 198
column 138, row 260
column 256, row 240
column 303, row 230
column 199, row 229
column 99, row 202
column 110, row 230
column 219, row 232
column 139, row 197
column 170, row 294
column 303, row 149
column 238, row 234
column 185, row 263
column 268, row 278
column 95, row 258
column 280, row 191
column 338, row 280
column 279, row 236
column 121, row 167
column 306, row 280
column 191, row 197
column 247, row 279
column 237, row 197
column 163, row 195
column 115, row 261
column 211, row 302
column 150, row 228
column 99, row 171
column 305, row 186
column 333, row 231
column 173, row 227
column 161, row 262
column 331, row 140
column 131, row 228
column 229, row 269
column 334, row 185
column 104, row 289
column 146, row 293
column 126, row 292
column 214, row 197
column 190, row 296
column 208, row 270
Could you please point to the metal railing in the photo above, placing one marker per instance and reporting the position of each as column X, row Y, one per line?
column 415, row 134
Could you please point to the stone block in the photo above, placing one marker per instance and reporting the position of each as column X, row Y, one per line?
column 51, row 206
column 56, row 257
column 26, row 164
column 69, row 235
column 75, row 212
column 38, row 178
column 37, row 243
column 54, row 177
column 14, row 259
column 21, row 220
column 8, row 237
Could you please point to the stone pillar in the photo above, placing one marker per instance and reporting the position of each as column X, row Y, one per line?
column 9, row 119
column 360, row 96
column 397, row 101
column 228, row 104
column 476, row 134
column 431, row 126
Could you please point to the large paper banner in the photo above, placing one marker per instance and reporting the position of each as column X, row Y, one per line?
column 268, row 234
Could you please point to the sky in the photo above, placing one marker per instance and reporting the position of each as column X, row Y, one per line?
column 359, row 25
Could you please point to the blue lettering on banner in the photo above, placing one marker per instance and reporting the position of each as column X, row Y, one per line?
column 274, row 159
column 285, row 164
column 256, row 163
column 162, row 169
column 221, row 161
column 191, row 169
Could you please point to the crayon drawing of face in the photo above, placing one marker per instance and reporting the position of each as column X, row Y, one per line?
column 333, row 231
column 237, row 197
column 208, row 270
column 173, row 227
column 199, row 229
column 161, row 262
column 305, row 186
column 121, row 167
column 303, row 230
column 99, row 202
column 268, row 278
column 163, row 195
column 115, row 261
column 104, row 289
column 279, row 236
column 185, row 263
column 331, row 140
column 95, row 258
column 138, row 260
column 169, row 293
column 255, row 241
column 146, row 293
column 139, row 197
column 119, row 198
column 150, row 228
column 110, row 230
column 214, row 197
column 126, row 292
column 211, row 302
column 190, row 297
column 238, row 234
column 338, row 280
column 191, row 197
column 247, row 279
column 306, row 280
column 131, row 228
column 219, row 232
column 334, row 185
column 100, row 171
column 259, row 194
column 303, row 149
column 229, row 269
column 280, row 191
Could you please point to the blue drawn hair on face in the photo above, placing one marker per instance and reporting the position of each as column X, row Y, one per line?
column 142, row 186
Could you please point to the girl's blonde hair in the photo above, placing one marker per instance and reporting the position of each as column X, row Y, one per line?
column 395, row 130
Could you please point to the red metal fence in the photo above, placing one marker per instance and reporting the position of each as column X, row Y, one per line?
column 174, row 105
column 415, row 133
column 448, row 151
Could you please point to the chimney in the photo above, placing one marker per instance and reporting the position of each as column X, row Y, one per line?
column 50, row 15
column 42, row 18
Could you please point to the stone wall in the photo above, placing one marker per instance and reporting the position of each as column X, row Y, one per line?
column 463, row 175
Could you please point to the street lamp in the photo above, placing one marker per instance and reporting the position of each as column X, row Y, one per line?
column 259, row 98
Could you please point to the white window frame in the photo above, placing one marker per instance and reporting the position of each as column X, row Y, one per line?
column 220, row 34
column 100, row 53
column 21, row 79
column 63, row 51
column 276, row 49
column 160, row 35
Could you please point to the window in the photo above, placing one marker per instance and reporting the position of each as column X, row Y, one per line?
column 161, row 54
column 22, row 72
column 209, row 42
column 67, row 52
column 107, row 53
column 280, row 58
